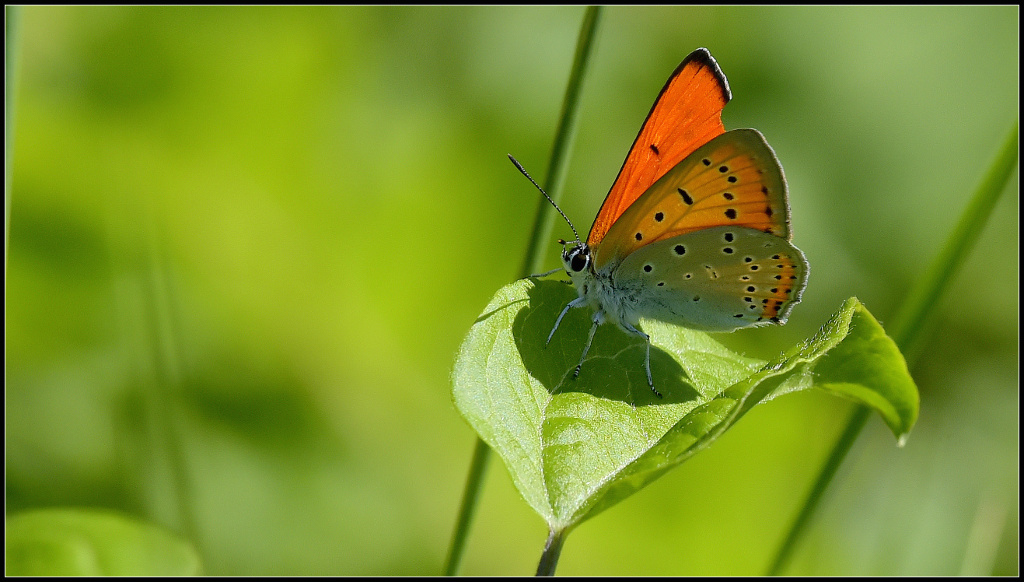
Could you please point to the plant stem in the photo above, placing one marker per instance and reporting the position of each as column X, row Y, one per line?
column 474, row 485
column 561, row 149
column 552, row 549
column 12, row 45
column 921, row 301
column 564, row 138
column 909, row 323
column 858, row 418
column 164, row 391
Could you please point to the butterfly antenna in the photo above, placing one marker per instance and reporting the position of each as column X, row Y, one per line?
column 525, row 173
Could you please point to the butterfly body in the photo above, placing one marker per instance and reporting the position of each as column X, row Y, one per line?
column 695, row 281
column 695, row 229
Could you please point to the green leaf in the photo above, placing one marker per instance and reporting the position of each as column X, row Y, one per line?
column 575, row 447
column 91, row 542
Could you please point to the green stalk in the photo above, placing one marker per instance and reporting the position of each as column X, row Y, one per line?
column 552, row 549
column 910, row 322
column 165, row 390
column 474, row 486
column 564, row 137
column 920, row 303
column 12, row 29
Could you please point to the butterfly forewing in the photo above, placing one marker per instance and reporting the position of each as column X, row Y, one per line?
column 686, row 115
column 718, row 279
column 734, row 180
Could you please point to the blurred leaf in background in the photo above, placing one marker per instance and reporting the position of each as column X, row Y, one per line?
column 88, row 542
column 246, row 242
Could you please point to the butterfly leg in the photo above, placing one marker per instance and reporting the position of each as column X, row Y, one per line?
column 647, row 360
column 586, row 348
column 574, row 303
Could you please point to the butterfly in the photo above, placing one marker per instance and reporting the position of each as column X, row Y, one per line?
column 695, row 229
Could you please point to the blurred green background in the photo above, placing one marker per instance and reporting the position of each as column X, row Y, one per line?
column 246, row 243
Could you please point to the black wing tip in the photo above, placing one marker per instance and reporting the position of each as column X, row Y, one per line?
column 702, row 56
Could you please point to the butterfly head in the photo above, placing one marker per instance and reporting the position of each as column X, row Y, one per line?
column 576, row 257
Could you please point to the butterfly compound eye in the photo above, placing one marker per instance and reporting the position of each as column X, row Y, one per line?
column 579, row 258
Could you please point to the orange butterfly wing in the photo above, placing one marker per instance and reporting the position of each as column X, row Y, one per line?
column 733, row 180
column 686, row 115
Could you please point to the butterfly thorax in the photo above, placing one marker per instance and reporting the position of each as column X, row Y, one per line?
column 597, row 288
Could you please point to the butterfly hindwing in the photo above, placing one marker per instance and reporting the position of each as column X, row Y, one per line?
column 719, row 279
column 734, row 180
